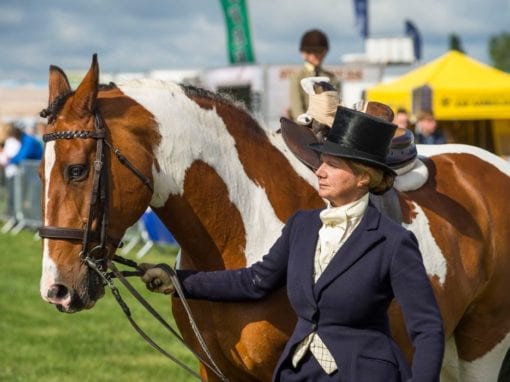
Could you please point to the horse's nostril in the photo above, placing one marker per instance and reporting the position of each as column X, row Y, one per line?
column 57, row 291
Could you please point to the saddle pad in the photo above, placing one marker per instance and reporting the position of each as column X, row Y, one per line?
column 411, row 177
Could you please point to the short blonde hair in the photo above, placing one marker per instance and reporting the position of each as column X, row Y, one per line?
column 380, row 180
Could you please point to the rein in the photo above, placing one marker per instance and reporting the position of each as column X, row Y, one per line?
column 121, row 275
column 97, row 257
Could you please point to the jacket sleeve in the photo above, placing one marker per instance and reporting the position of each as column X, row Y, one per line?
column 249, row 283
column 415, row 296
column 296, row 94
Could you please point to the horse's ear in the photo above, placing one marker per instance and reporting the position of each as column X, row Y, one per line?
column 58, row 83
column 84, row 100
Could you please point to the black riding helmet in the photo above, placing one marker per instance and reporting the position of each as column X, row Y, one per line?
column 314, row 39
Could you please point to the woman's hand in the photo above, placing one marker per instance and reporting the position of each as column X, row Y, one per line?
column 156, row 279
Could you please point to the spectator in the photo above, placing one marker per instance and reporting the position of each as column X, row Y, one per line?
column 314, row 47
column 426, row 129
column 31, row 147
column 401, row 119
column 18, row 146
column 10, row 146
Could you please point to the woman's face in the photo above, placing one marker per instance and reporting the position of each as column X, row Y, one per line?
column 338, row 183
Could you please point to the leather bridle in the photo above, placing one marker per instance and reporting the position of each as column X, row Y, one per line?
column 98, row 205
column 97, row 258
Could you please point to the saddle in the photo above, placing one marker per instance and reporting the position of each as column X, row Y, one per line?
column 402, row 154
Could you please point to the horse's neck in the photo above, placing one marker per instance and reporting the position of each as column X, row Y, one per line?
column 220, row 180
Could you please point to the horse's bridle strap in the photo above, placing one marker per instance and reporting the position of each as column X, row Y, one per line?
column 73, row 134
column 60, row 233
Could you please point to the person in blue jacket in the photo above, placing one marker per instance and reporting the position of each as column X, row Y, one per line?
column 342, row 267
column 31, row 147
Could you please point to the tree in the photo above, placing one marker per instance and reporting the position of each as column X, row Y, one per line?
column 499, row 51
column 455, row 43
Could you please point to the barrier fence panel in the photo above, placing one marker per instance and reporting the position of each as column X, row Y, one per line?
column 21, row 203
column 4, row 216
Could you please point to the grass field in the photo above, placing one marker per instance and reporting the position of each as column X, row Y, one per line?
column 38, row 343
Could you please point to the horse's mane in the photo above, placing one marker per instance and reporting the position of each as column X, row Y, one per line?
column 58, row 103
column 224, row 98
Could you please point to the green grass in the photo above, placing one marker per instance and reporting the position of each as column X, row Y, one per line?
column 38, row 343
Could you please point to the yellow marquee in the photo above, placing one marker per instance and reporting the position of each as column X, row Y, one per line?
column 454, row 86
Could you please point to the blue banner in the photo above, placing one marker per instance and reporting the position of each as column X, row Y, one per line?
column 361, row 16
column 412, row 31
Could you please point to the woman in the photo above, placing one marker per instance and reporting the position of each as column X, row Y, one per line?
column 342, row 266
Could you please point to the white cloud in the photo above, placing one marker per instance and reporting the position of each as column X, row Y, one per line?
column 139, row 36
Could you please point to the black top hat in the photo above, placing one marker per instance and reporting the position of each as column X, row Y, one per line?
column 360, row 137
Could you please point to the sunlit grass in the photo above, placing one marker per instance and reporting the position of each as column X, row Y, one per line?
column 38, row 343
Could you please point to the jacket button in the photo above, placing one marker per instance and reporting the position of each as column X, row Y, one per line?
column 314, row 326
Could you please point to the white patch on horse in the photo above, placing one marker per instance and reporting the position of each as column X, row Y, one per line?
column 433, row 258
column 308, row 175
column 485, row 368
column 49, row 162
column 49, row 269
column 190, row 133
column 49, row 272
column 494, row 160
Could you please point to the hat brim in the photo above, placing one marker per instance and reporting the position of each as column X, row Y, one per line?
column 334, row 149
column 298, row 139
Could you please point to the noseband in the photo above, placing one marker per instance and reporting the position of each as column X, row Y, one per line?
column 97, row 256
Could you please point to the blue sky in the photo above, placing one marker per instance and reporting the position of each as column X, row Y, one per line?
column 137, row 36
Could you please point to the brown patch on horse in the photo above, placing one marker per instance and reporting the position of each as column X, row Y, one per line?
column 463, row 218
column 233, row 330
column 204, row 213
column 249, row 139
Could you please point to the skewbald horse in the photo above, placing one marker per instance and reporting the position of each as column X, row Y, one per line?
column 224, row 186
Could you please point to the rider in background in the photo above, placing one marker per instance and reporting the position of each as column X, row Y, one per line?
column 314, row 47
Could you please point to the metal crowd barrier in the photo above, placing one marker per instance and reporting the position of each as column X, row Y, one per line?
column 20, row 207
column 21, row 198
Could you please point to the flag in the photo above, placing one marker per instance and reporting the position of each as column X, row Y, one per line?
column 238, row 31
column 412, row 31
column 361, row 16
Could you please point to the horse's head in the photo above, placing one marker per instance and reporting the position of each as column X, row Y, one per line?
column 88, row 184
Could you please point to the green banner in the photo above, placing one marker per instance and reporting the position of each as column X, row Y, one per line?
column 238, row 31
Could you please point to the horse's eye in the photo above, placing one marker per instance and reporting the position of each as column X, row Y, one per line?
column 76, row 172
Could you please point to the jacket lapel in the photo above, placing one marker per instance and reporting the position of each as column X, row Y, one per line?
column 361, row 240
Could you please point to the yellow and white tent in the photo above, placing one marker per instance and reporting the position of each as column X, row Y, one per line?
column 470, row 100
column 454, row 86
